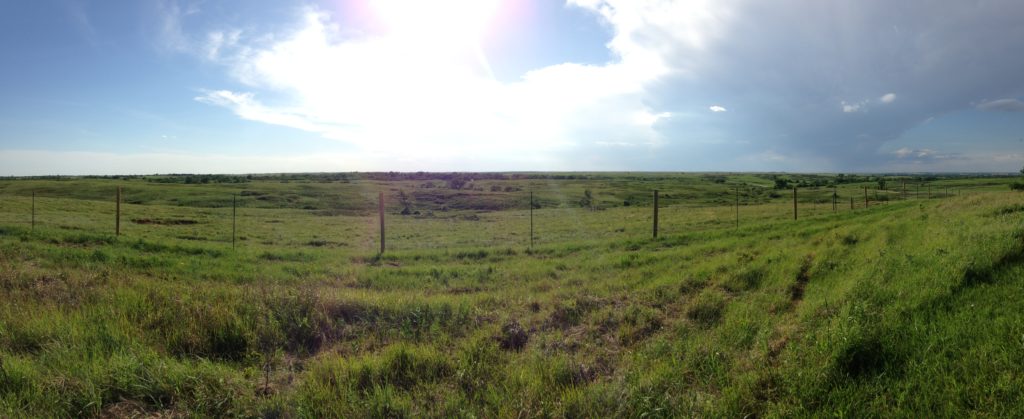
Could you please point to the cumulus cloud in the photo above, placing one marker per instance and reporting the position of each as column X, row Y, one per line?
column 717, row 108
column 888, row 98
column 428, row 101
column 1003, row 105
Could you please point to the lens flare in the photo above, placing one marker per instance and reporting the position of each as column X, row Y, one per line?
column 446, row 20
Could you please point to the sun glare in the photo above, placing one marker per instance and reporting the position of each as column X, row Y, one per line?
column 448, row 20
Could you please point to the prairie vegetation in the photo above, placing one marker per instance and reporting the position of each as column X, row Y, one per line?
column 909, row 307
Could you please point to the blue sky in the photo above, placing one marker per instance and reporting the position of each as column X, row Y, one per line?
column 112, row 87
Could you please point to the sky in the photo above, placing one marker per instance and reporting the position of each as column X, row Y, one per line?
column 262, row 86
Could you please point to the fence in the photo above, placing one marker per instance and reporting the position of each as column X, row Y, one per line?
column 241, row 223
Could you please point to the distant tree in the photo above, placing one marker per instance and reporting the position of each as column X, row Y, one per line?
column 588, row 199
column 781, row 183
column 881, row 183
column 404, row 200
column 456, row 183
column 1018, row 186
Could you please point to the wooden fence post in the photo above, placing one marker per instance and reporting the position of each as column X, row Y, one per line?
column 117, row 212
column 380, row 212
column 737, row 206
column 866, row 197
column 655, row 213
column 794, row 202
column 835, row 197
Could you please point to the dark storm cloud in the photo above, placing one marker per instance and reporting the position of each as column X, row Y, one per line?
column 834, row 81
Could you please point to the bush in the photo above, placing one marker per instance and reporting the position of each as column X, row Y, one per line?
column 1017, row 186
column 513, row 337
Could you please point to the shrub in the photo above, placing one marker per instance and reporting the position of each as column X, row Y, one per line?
column 513, row 337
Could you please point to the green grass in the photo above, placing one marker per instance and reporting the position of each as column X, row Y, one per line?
column 906, row 308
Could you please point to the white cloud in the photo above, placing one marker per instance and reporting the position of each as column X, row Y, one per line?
column 172, row 36
column 1003, row 105
column 852, row 107
column 218, row 41
column 420, row 101
column 246, row 107
column 862, row 106
column 173, row 30
column 642, row 27
column 921, row 154
column 716, row 108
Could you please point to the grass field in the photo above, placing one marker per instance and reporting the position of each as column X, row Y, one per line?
column 911, row 306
